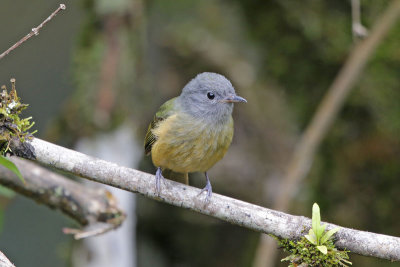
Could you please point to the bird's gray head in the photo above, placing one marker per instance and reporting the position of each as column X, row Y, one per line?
column 209, row 96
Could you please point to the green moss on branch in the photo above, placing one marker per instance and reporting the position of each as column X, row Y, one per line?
column 14, row 131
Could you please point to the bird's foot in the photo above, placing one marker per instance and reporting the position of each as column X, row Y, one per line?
column 159, row 178
column 208, row 189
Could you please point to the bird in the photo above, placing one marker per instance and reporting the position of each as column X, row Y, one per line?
column 193, row 131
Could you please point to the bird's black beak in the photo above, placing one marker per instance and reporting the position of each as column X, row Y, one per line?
column 233, row 99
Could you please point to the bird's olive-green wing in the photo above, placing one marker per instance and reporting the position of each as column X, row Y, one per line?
column 164, row 112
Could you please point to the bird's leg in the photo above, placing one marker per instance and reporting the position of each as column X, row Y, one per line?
column 207, row 188
column 159, row 177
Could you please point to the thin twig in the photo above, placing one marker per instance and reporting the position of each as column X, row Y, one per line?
column 94, row 230
column 228, row 209
column 34, row 31
column 357, row 28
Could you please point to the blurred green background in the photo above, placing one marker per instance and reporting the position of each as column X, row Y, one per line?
column 102, row 63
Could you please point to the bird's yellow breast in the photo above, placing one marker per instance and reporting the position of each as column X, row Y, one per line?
column 188, row 145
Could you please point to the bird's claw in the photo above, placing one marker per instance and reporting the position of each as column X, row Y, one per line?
column 208, row 189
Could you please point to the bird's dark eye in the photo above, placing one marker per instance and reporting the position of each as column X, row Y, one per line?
column 210, row 95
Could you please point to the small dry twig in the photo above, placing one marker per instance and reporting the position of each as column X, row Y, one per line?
column 359, row 31
column 35, row 31
column 93, row 230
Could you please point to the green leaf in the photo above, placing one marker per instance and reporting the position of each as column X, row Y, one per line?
column 321, row 230
column 11, row 166
column 328, row 235
column 316, row 223
column 316, row 218
column 312, row 233
column 323, row 249
column 311, row 239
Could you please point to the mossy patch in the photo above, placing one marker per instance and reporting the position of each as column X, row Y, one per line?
column 13, row 130
column 303, row 253
column 315, row 248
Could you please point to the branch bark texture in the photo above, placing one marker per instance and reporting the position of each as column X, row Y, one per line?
column 4, row 261
column 94, row 208
column 228, row 209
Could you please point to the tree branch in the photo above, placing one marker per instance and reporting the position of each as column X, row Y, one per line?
column 231, row 210
column 94, row 208
column 34, row 31
column 4, row 261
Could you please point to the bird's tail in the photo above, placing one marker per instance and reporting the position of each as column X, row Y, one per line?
column 176, row 176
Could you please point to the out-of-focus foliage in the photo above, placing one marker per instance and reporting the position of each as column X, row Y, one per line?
column 281, row 56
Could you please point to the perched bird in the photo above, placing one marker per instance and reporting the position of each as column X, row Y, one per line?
column 193, row 131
